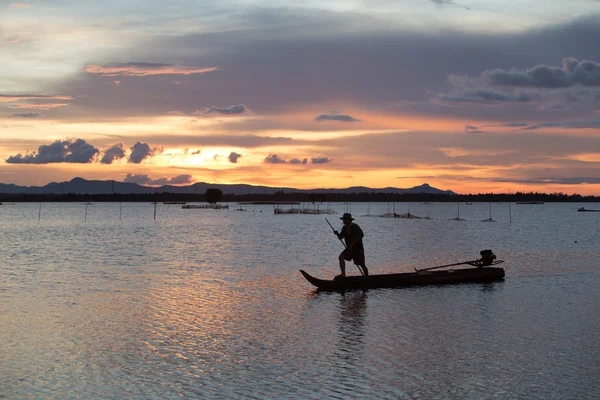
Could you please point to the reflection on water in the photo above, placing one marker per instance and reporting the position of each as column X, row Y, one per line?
column 210, row 304
column 351, row 325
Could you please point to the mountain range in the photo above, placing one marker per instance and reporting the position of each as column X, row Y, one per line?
column 83, row 186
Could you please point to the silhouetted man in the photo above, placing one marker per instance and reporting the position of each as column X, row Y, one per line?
column 354, row 250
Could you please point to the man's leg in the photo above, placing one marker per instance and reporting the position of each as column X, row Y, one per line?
column 359, row 260
column 342, row 265
column 365, row 269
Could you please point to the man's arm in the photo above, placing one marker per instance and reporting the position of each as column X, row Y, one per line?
column 357, row 234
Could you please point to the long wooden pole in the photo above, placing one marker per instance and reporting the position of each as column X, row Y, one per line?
column 447, row 265
column 333, row 229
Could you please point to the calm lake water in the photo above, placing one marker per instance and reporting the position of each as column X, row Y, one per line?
column 102, row 301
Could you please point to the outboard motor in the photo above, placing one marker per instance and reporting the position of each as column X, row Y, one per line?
column 487, row 257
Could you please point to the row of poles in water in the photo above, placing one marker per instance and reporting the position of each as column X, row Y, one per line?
column 347, row 208
column 86, row 210
column 457, row 218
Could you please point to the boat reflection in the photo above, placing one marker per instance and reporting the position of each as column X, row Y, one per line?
column 351, row 326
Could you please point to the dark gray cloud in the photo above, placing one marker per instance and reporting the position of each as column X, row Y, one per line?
column 472, row 129
column 140, row 152
column 176, row 180
column 488, row 96
column 320, row 160
column 233, row 157
column 515, row 124
column 256, row 66
column 67, row 151
column 510, row 125
column 558, row 106
column 572, row 72
column 144, row 179
column 113, row 153
column 335, row 117
column 27, row 115
column 80, row 151
column 274, row 159
column 579, row 124
column 297, row 161
column 231, row 110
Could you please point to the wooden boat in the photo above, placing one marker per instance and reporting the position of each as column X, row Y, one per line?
column 419, row 278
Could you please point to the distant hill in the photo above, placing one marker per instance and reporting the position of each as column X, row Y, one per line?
column 83, row 186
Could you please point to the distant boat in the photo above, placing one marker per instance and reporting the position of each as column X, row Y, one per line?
column 529, row 202
column 583, row 209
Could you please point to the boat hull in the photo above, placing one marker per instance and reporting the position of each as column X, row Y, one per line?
column 463, row 275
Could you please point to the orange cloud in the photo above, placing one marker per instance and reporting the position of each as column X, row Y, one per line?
column 9, row 98
column 15, row 39
column 20, row 5
column 144, row 69
column 38, row 106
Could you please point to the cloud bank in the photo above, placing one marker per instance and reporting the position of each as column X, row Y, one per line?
column 65, row 151
column 144, row 179
column 335, row 117
column 572, row 72
column 231, row 110
column 144, row 69
column 141, row 151
column 275, row 159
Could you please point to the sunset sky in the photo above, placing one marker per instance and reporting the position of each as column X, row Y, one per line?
column 472, row 96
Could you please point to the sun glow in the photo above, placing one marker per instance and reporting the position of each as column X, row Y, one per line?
column 587, row 157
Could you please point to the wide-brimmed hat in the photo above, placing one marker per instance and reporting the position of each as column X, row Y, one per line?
column 347, row 216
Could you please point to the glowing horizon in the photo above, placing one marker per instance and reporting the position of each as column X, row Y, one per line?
column 340, row 96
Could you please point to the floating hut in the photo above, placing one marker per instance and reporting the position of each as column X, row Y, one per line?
column 206, row 206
